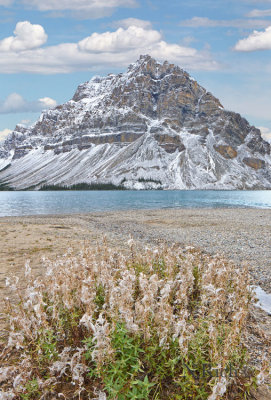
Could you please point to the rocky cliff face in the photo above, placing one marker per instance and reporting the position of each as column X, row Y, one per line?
column 152, row 124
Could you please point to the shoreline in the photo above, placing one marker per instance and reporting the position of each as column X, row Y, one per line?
column 242, row 234
column 260, row 189
column 134, row 210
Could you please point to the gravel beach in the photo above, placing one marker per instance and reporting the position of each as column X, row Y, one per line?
column 242, row 235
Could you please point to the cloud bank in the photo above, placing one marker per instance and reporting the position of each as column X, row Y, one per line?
column 82, row 5
column 120, row 40
column 97, row 51
column 204, row 22
column 80, row 8
column 83, row 9
column 6, row 3
column 259, row 13
column 127, row 22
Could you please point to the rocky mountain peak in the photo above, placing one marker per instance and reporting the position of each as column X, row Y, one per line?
column 147, row 65
column 152, row 123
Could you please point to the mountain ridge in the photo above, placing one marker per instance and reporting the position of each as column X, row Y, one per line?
column 153, row 122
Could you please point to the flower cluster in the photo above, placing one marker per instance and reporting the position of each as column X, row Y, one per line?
column 127, row 325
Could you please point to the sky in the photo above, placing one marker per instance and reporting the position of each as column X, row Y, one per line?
column 49, row 47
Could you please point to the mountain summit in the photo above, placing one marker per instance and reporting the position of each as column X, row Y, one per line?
column 152, row 126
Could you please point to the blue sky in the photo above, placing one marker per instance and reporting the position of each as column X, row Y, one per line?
column 49, row 47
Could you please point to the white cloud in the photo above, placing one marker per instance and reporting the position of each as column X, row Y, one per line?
column 266, row 133
column 6, row 2
column 133, row 37
column 103, row 50
column 26, row 36
column 204, row 22
column 81, row 8
column 77, row 4
column 47, row 102
column 12, row 103
column 187, row 40
column 125, row 23
column 257, row 1
column 25, row 122
column 129, row 43
column 15, row 103
column 255, row 41
column 4, row 133
column 259, row 13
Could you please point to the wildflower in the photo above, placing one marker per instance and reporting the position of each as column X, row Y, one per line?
column 219, row 389
column 27, row 272
column 101, row 396
column 6, row 373
column 7, row 395
column 261, row 378
column 86, row 320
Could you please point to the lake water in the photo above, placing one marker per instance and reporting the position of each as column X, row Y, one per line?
column 65, row 202
column 264, row 299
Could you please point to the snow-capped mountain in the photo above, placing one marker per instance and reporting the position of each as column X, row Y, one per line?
column 153, row 126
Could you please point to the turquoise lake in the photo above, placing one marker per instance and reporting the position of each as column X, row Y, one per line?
column 66, row 202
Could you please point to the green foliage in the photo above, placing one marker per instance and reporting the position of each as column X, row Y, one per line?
column 67, row 324
column 31, row 391
column 4, row 187
column 194, row 299
column 46, row 347
column 140, row 369
column 163, row 365
column 100, row 297
column 146, row 180
column 121, row 374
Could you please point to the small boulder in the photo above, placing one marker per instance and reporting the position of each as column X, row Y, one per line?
column 226, row 151
column 255, row 163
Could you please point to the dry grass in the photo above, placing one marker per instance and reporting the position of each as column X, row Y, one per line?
column 157, row 323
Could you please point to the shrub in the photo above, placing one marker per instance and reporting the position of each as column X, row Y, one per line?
column 159, row 323
column 84, row 186
column 146, row 180
column 5, row 187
